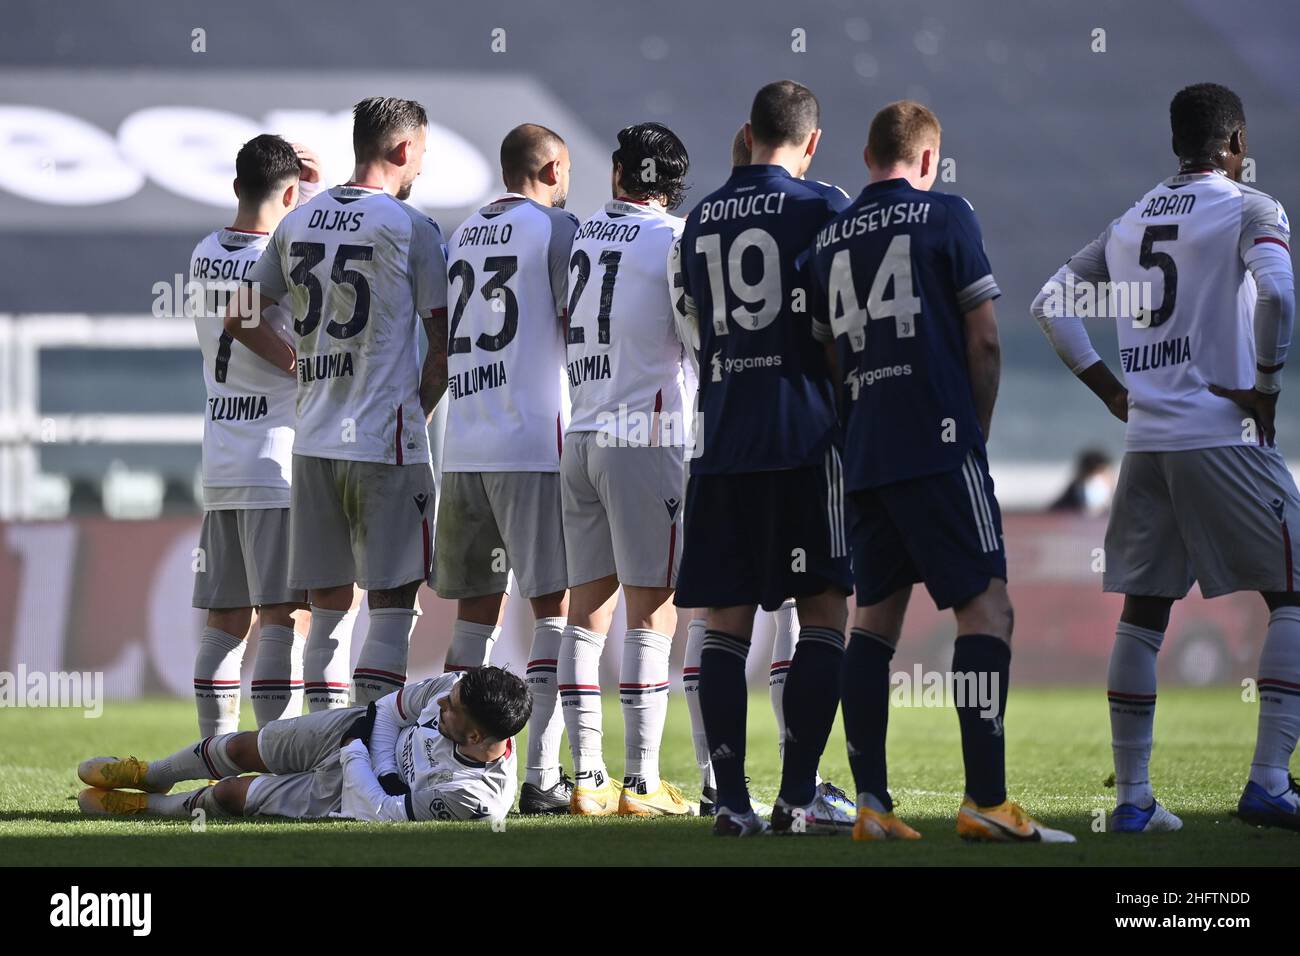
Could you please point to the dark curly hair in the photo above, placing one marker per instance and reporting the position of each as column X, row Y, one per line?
column 654, row 163
column 497, row 701
column 1202, row 117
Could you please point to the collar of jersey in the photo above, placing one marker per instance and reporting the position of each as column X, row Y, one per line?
column 365, row 186
column 760, row 169
column 244, row 232
column 508, row 197
column 886, row 186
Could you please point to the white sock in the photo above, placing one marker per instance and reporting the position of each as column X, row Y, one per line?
column 546, row 725
column 184, row 804
column 786, row 621
column 1279, row 700
column 691, row 689
column 325, row 659
column 580, row 703
column 277, row 674
column 471, row 645
column 643, row 692
column 216, row 681
column 205, row 760
column 381, row 667
column 1131, row 690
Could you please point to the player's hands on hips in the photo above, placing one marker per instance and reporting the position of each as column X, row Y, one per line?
column 1117, row 403
column 394, row 785
column 361, row 727
column 1261, row 405
column 309, row 162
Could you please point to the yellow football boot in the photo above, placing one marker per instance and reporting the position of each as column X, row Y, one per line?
column 873, row 825
column 667, row 801
column 1005, row 823
column 115, row 773
column 95, row 802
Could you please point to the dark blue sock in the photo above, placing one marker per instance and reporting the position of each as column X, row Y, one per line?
column 812, row 695
column 977, row 661
column 865, row 694
column 724, row 701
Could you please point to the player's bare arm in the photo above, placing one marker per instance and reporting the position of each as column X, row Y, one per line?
column 433, row 376
column 983, row 360
column 242, row 319
column 1103, row 383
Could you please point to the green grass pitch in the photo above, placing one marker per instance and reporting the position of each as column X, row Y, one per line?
column 1058, row 757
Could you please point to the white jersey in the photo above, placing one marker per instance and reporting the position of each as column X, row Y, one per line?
column 249, row 420
column 446, row 785
column 625, row 359
column 507, row 400
column 358, row 268
column 1184, row 302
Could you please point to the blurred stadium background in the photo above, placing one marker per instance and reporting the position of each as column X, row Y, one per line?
column 117, row 139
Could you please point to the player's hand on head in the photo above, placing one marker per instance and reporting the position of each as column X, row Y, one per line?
column 310, row 163
column 1261, row 405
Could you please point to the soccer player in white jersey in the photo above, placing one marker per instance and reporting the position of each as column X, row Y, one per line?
column 621, row 472
column 1198, row 275
column 499, row 504
column 247, row 442
column 442, row 749
column 360, row 271
column 785, row 629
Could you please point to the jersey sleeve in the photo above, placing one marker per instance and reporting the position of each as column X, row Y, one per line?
column 427, row 265
column 818, row 311
column 398, row 710
column 1263, row 222
column 972, row 276
column 564, row 226
column 267, row 274
column 1089, row 263
column 685, row 318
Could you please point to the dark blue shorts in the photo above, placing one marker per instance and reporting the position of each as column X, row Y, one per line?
column 763, row 537
column 944, row 530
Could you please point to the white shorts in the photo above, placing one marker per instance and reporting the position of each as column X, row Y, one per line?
column 360, row 522
column 1217, row 516
column 245, row 559
column 302, row 754
column 622, row 510
column 491, row 523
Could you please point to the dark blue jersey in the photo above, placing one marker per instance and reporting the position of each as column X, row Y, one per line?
column 892, row 277
column 766, row 399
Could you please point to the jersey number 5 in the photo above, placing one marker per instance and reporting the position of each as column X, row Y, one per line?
column 1150, row 259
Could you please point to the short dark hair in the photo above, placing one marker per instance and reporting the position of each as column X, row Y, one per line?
column 526, row 149
column 378, row 120
column 900, row 131
column 784, row 113
column 497, row 701
column 654, row 163
column 265, row 163
column 739, row 149
column 1202, row 116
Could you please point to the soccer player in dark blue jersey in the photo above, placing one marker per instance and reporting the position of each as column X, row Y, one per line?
column 764, row 514
column 902, row 286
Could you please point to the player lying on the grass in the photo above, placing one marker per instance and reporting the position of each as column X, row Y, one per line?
column 1204, row 494
column 442, row 749
column 921, row 371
